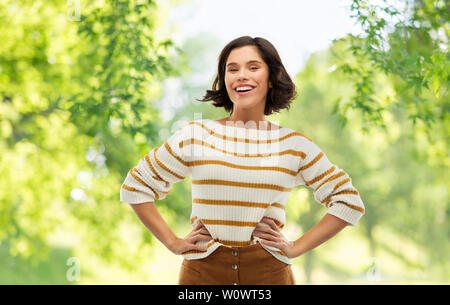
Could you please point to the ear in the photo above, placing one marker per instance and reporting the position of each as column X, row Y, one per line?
column 270, row 84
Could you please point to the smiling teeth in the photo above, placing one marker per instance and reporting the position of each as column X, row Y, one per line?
column 244, row 88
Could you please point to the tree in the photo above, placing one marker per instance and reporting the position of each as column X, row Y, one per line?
column 410, row 45
column 76, row 100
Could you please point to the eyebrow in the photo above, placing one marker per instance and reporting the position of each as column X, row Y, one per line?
column 248, row 62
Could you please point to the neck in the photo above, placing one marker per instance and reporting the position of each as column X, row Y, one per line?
column 253, row 122
column 245, row 118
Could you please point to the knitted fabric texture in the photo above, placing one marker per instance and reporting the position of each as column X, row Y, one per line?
column 240, row 175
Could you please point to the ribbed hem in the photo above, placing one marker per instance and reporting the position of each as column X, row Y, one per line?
column 135, row 197
column 346, row 213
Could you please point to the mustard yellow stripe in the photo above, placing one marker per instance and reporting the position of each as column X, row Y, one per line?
column 242, row 184
column 153, row 177
column 128, row 188
column 343, row 192
column 234, row 243
column 279, row 205
column 139, row 179
column 284, row 152
column 229, row 223
column 349, row 192
column 277, row 222
column 341, row 173
column 321, row 176
column 352, row 206
column 169, row 149
column 294, row 133
column 234, row 223
column 147, row 158
column 165, row 167
column 245, row 167
column 312, row 162
column 238, row 203
column 145, row 184
column 341, row 183
column 231, row 202
column 197, row 252
column 132, row 189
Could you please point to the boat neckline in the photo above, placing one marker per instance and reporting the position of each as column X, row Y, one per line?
column 243, row 128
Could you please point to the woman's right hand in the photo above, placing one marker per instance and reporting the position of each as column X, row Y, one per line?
column 199, row 232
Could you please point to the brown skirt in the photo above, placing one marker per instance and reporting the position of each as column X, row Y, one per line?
column 250, row 265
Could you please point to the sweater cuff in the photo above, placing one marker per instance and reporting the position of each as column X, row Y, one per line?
column 135, row 197
column 346, row 213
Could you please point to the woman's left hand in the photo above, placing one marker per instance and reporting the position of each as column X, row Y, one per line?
column 272, row 236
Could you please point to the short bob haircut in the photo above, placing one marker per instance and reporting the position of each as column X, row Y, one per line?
column 278, row 97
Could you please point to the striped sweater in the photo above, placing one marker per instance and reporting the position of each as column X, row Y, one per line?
column 240, row 175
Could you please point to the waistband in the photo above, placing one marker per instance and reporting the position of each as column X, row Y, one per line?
column 242, row 250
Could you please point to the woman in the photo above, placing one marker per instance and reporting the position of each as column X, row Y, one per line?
column 240, row 191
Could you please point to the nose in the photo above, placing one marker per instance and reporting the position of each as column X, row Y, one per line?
column 242, row 74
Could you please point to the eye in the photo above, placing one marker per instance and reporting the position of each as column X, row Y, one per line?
column 234, row 69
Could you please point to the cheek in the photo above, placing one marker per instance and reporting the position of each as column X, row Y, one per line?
column 262, row 78
column 228, row 81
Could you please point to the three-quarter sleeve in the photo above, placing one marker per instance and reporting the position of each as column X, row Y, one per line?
column 153, row 177
column 332, row 186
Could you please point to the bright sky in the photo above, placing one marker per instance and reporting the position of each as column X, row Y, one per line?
column 295, row 27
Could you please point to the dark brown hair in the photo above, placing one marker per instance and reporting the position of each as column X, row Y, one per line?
column 278, row 97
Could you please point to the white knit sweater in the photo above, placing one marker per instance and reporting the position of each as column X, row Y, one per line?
column 240, row 175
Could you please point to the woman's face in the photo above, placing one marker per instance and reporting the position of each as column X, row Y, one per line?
column 245, row 66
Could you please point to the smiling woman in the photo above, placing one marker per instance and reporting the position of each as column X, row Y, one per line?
column 239, row 198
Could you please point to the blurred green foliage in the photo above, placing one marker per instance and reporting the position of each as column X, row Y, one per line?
column 76, row 112
column 79, row 88
column 407, row 41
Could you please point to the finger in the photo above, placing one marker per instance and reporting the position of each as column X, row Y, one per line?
column 201, row 237
column 270, row 243
column 200, row 230
column 204, row 231
column 270, row 222
column 201, row 248
column 196, row 247
column 267, row 230
column 264, row 223
column 263, row 228
column 267, row 237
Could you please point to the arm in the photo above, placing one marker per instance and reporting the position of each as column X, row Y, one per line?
column 325, row 229
column 152, row 219
column 332, row 188
column 151, row 180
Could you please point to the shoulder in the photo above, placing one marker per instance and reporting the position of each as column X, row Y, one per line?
column 300, row 135
column 185, row 129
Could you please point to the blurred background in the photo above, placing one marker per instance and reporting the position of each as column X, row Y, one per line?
column 88, row 87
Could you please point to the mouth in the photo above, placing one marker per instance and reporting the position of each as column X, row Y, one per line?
column 244, row 92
